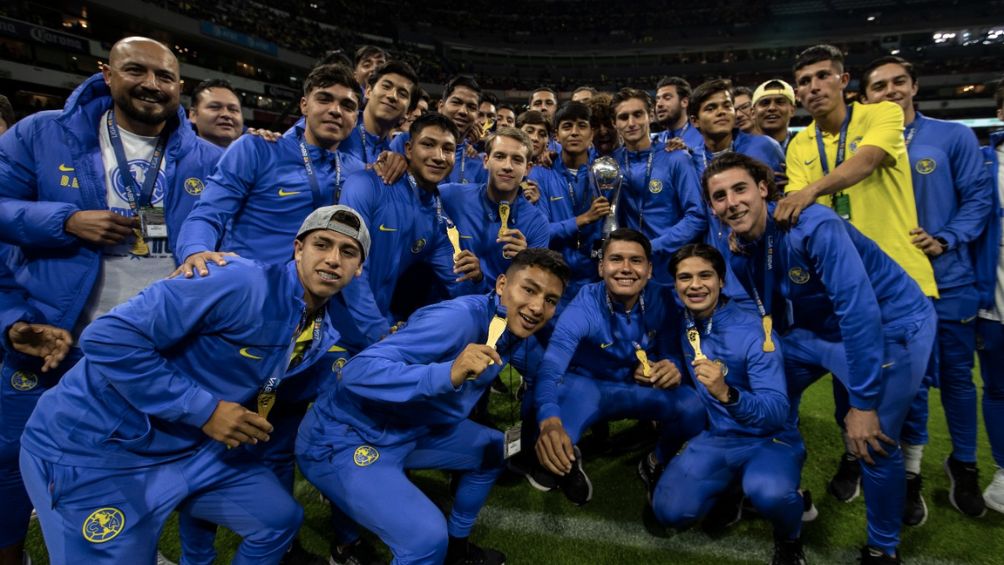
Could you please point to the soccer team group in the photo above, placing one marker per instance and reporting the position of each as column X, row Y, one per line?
column 190, row 311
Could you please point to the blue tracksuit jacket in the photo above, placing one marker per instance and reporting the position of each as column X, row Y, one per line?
column 465, row 169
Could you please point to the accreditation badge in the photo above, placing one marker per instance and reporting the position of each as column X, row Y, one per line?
column 513, row 440
column 152, row 223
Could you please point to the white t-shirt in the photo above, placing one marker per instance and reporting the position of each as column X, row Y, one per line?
column 998, row 311
column 123, row 274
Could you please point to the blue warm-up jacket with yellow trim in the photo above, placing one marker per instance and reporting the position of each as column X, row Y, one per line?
column 155, row 367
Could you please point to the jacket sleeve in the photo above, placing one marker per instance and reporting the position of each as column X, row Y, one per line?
column 25, row 220
column 687, row 186
column 14, row 306
column 573, row 325
column 975, row 190
column 126, row 344
column 362, row 195
column 227, row 189
column 764, row 405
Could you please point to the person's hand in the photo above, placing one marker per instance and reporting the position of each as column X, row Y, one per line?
column 531, row 191
column 49, row 343
column 554, row 447
column 103, row 227
column 267, row 135
column 547, row 158
column 198, row 261
column 664, row 374
column 234, row 424
column 468, row 266
column 674, row 144
column 390, row 166
column 926, row 242
column 514, row 241
column 864, row 431
column 473, row 361
column 790, row 207
column 711, row 375
column 598, row 209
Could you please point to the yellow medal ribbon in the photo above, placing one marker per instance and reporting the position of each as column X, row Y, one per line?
column 495, row 329
column 694, row 337
column 768, row 340
column 266, row 400
column 454, row 235
column 504, row 217
column 139, row 246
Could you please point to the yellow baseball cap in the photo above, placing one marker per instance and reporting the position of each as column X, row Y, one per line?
column 773, row 87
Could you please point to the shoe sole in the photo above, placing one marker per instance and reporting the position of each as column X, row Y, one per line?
column 536, row 485
column 951, row 495
column 577, row 465
column 991, row 503
column 811, row 514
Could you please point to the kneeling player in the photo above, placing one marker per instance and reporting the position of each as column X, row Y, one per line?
column 597, row 366
column 403, row 404
column 741, row 383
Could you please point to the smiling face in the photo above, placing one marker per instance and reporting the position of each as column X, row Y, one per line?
column 575, row 136
column 773, row 113
column 668, row 105
column 544, row 102
column 144, row 80
column 431, row 155
column 625, row 269
column 388, row 98
column 632, row 121
column 530, row 296
column 744, row 112
column 506, row 163
column 506, row 118
column 820, row 87
column 326, row 261
column 698, row 285
column 331, row 113
column 893, row 83
column 717, row 116
column 217, row 116
column 461, row 106
column 367, row 65
column 739, row 201
column 538, row 137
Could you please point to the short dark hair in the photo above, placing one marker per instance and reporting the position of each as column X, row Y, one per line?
column 433, row 119
column 542, row 89
column 334, row 57
column 398, row 68
column 732, row 160
column 6, row 111
column 600, row 110
column 212, row 83
column 571, row 111
column 703, row 251
column 740, row 90
column 459, row 81
column 586, row 87
column 682, row 86
column 546, row 259
column 628, row 234
column 489, row 98
column 625, row 94
column 369, row 51
column 819, row 53
column 866, row 78
column 534, row 118
column 505, row 106
column 704, row 91
column 323, row 76
column 999, row 94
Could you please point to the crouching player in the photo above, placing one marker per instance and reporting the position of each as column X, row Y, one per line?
column 403, row 404
column 127, row 436
column 610, row 358
column 740, row 378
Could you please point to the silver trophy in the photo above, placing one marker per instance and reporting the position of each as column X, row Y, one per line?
column 606, row 177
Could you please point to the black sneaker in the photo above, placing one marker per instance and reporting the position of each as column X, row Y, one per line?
column 788, row 552
column 845, row 486
column 575, row 484
column 872, row 556
column 915, row 508
column 463, row 552
column 530, row 469
column 649, row 472
column 296, row 555
column 964, row 493
column 809, row 511
column 359, row 552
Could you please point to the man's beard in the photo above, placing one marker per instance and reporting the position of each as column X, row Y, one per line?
column 125, row 102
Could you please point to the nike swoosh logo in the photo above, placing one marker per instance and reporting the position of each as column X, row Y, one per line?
column 385, row 228
column 63, row 168
column 810, row 161
column 606, row 345
column 467, row 237
column 284, row 192
column 887, row 365
column 245, row 353
column 556, row 198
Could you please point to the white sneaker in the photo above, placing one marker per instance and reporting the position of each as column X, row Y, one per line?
column 161, row 560
column 994, row 495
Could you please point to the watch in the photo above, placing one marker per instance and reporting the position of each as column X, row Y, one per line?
column 943, row 242
column 733, row 396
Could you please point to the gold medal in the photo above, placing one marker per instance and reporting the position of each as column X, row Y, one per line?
column 504, row 217
column 265, row 402
column 454, row 234
column 139, row 246
column 768, row 340
column 486, row 128
column 495, row 329
column 646, row 367
column 694, row 337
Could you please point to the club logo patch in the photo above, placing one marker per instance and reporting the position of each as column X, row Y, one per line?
column 418, row 246
column 194, row 186
column 655, row 186
column 798, row 275
column 23, row 380
column 854, row 144
column 138, row 168
column 103, row 525
column 926, row 166
column 365, row 456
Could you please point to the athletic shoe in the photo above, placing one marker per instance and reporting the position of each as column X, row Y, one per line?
column 649, row 472
column 809, row 511
column 872, row 556
column 915, row 509
column 529, row 468
column 359, row 552
column 462, row 552
column 788, row 552
column 161, row 560
column 994, row 495
column 964, row 493
column 845, row 486
column 575, row 484
column 296, row 555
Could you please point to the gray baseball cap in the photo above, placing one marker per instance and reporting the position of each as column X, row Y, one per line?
column 323, row 219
